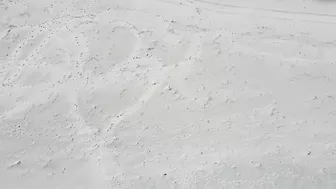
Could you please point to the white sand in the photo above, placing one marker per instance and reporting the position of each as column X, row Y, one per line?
column 163, row 94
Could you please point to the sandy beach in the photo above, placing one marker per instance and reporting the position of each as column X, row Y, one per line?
column 162, row 94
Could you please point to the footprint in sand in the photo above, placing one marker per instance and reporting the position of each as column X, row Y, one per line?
column 100, row 65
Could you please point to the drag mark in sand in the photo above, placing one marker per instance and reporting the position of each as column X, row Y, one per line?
column 249, row 11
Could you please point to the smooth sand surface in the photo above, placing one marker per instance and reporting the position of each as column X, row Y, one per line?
column 158, row 94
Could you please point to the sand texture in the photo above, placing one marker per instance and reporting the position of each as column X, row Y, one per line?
column 163, row 94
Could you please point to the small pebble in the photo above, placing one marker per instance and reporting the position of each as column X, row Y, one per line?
column 168, row 87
